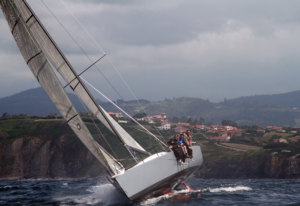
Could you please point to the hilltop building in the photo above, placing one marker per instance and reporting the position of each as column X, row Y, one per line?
column 162, row 117
column 280, row 140
column 117, row 115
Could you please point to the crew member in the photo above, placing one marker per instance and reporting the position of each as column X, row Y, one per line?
column 175, row 146
column 188, row 138
column 183, row 144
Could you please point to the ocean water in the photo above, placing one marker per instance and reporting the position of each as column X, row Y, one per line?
column 100, row 192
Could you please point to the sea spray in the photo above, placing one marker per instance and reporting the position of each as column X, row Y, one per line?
column 103, row 194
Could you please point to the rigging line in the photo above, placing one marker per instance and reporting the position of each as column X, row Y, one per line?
column 131, row 92
column 93, row 45
column 109, row 60
column 85, row 70
column 84, row 87
column 130, row 157
column 82, row 25
column 97, row 129
column 124, row 112
column 87, row 55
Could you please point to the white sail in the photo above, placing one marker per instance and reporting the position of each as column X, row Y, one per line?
column 58, row 60
column 38, row 64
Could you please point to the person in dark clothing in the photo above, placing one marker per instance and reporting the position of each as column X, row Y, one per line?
column 188, row 138
column 175, row 146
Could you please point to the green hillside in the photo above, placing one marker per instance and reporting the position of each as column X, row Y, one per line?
column 244, row 111
column 289, row 99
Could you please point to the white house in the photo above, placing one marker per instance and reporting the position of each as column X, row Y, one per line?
column 164, row 126
column 122, row 121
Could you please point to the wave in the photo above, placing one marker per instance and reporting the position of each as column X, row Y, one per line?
column 230, row 189
column 104, row 194
column 175, row 194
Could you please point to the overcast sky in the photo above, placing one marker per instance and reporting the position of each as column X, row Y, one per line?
column 171, row 48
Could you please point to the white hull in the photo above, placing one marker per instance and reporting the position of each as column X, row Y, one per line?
column 158, row 174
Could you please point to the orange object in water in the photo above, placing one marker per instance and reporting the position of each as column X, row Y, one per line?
column 183, row 196
column 171, row 194
column 187, row 187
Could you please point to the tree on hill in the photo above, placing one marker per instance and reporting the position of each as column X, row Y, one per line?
column 228, row 122
column 201, row 120
column 190, row 120
column 175, row 119
column 5, row 115
column 196, row 122
column 183, row 119
column 140, row 115
column 255, row 127
column 20, row 116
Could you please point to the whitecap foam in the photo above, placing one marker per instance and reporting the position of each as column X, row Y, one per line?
column 154, row 200
column 105, row 194
column 230, row 189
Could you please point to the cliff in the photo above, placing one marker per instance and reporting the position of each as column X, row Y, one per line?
column 31, row 149
column 252, row 166
column 31, row 157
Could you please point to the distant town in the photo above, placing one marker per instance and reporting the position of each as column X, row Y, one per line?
column 270, row 137
column 219, row 133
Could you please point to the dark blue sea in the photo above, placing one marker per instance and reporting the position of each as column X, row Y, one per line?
column 100, row 192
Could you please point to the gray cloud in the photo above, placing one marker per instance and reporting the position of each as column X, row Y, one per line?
column 207, row 49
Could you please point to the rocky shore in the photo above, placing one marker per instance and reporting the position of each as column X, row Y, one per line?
column 34, row 157
column 31, row 157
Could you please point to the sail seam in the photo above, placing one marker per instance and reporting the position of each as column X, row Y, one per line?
column 34, row 57
column 17, row 21
column 29, row 18
column 76, row 85
column 38, row 73
column 72, row 118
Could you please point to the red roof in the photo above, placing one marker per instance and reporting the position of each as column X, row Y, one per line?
column 182, row 123
column 225, row 137
column 211, row 131
column 273, row 127
column 159, row 117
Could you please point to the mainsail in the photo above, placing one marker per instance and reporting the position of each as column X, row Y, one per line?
column 34, row 56
column 58, row 60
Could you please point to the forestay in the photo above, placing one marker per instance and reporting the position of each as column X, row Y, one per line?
column 58, row 60
column 34, row 57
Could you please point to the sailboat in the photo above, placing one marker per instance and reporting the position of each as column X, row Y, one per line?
column 152, row 176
